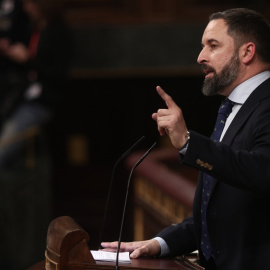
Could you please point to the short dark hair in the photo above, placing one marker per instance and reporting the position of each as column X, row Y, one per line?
column 245, row 25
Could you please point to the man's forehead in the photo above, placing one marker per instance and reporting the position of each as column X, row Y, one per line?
column 215, row 30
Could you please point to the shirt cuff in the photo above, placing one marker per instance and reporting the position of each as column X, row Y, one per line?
column 165, row 250
column 183, row 150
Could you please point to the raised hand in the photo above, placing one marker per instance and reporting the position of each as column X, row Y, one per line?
column 170, row 121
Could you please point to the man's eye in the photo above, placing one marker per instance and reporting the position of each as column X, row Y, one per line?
column 213, row 46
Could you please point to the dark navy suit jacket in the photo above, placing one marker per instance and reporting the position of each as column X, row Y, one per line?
column 238, row 214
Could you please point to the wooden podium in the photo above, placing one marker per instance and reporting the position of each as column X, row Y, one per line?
column 67, row 249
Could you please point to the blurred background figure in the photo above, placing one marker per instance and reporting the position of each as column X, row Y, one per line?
column 43, row 64
column 13, row 29
column 34, row 72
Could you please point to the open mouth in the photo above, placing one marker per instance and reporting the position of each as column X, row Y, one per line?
column 209, row 72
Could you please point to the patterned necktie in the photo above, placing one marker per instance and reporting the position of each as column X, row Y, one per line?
column 224, row 111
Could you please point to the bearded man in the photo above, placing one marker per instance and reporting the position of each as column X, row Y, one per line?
column 231, row 218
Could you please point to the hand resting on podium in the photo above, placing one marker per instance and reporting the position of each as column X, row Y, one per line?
column 136, row 248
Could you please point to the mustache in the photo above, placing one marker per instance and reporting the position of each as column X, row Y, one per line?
column 207, row 68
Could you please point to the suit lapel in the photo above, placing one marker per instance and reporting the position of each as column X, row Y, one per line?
column 246, row 110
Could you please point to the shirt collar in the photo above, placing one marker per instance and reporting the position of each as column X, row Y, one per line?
column 240, row 94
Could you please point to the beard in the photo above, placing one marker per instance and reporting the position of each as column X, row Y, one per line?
column 217, row 84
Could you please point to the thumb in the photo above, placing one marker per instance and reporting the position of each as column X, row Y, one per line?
column 137, row 253
column 162, row 131
column 154, row 116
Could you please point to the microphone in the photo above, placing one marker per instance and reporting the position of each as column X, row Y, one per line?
column 110, row 187
column 125, row 203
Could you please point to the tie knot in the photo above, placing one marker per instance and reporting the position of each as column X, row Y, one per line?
column 226, row 107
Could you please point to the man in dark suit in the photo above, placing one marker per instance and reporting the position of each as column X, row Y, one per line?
column 231, row 218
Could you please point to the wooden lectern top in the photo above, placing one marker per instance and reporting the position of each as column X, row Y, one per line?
column 67, row 249
column 136, row 264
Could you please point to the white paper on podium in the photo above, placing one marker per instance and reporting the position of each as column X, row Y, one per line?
column 110, row 256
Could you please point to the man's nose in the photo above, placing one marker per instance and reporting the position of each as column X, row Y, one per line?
column 202, row 57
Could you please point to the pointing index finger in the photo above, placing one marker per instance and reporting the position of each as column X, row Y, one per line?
column 168, row 100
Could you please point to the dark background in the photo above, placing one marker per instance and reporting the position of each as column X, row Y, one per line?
column 112, row 114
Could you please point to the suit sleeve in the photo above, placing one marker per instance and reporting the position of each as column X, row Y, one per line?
column 180, row 237
column 245, row 163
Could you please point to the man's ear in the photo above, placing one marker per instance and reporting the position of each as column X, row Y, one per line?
column 247, row 52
